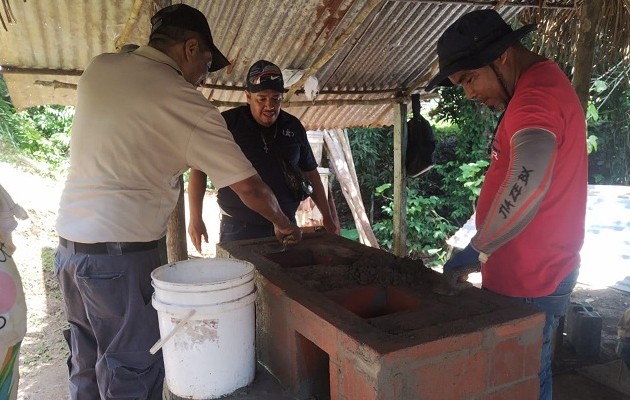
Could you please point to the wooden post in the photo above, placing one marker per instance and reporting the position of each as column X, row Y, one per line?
column 590, row 14
column 176, row 244
column 400, row 180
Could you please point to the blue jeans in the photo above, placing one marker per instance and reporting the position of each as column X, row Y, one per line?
column 554, row 306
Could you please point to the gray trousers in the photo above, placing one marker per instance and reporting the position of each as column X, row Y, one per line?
column 112, row 323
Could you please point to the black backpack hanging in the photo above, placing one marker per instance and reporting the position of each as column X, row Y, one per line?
column 420, row 142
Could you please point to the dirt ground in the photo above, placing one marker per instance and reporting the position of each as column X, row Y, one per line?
column 43, row 356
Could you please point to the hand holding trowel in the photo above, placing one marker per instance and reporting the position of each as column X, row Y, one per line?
column 456, row 271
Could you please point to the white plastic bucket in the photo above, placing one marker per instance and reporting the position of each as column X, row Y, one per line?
column 206, row 315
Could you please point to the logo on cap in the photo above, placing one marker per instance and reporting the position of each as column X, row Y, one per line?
column 264, row 75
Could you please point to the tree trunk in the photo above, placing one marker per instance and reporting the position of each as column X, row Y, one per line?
column 590, row 14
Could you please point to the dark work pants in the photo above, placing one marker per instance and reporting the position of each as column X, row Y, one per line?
column 112, row 323
column 232, row 229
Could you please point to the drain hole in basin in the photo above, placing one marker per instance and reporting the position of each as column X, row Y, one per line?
column 302, row 258
column 374, row 301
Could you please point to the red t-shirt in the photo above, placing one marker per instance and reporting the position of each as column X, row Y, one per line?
column 534, row 262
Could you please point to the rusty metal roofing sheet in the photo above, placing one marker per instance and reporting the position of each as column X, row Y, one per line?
column 358, row 49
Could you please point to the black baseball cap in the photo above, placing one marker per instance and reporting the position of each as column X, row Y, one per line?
column 263, row 75
column 186, row 17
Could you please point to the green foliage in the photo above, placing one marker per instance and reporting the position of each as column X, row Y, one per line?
column 9, row 122
column 608, row 120
column 592, row 117
column 41, row 133
column 427, row 230
column 372, row 152
column 473, row 122
column 591, row 144
column 45, row 134
column 472, row 177
column 351, row 234
column 457, row 204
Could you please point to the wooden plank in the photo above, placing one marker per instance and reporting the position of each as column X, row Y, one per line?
column 350, row 190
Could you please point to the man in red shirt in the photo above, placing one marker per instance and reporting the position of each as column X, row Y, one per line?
column 530, row 213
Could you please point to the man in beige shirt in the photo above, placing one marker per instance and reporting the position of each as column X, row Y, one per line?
column 139, row 123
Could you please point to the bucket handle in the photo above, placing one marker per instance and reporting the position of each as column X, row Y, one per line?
column 158, row 345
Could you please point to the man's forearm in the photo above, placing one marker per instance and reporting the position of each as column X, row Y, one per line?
column 196, row 191
column 533, row 154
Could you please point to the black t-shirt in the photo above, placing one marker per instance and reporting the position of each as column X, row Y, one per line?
column 287, row 138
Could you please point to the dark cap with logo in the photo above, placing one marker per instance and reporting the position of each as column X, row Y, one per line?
column 264, row 75
column 474, row 41
column 186, row 17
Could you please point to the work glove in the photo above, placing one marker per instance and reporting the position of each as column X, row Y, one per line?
column 460, row 265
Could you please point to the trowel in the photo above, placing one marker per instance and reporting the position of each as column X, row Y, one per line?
column 453, row 283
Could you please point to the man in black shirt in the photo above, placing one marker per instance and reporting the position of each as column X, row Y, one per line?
column 275, row 143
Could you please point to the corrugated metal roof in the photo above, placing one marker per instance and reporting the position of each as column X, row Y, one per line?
column 358, row 49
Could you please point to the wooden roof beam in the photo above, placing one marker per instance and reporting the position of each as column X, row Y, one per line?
column 533, row 4
column 39, row 71
column 330, row 102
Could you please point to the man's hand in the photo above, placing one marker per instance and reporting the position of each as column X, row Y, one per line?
column 461, row 264
column 289, row 234
column 197, row 231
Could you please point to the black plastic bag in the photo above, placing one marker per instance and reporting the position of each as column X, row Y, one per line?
column 420, row 143
column 301, row 188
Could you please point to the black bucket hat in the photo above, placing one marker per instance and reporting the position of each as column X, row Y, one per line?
column 474, row 41
column 186, row 17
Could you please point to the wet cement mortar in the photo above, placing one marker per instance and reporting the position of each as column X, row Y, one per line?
column 367, row 269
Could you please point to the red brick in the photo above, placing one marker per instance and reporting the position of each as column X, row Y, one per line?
column 517, row 327
column 508, row 360
column 526, row 390
column 356, row 384
column 436, row 348
column 531, row 364
column 270, row 287
column 456, row 378
column 396, row 387
column 314, row 328
column 350, row 344
column 335, row 378
column 275, row 340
